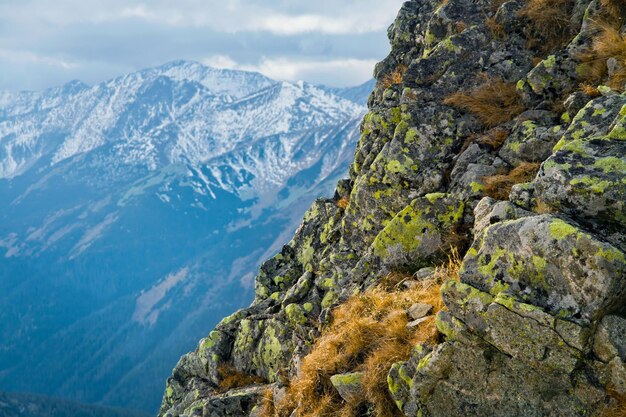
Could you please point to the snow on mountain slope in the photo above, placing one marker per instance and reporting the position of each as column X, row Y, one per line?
column 134, row 213
column 181, row 112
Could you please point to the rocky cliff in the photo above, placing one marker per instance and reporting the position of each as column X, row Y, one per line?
column 496, row 130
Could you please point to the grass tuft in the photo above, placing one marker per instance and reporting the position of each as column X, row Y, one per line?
column 617, row 408
column 343, row 202
column 493, row 103
column 499, row 186
column 607, row 58
column 497, row 30
column 368, row 333
column 615, row 11
column 590, row 90
column 395, row 77
column 551, row 23
column 231, row 378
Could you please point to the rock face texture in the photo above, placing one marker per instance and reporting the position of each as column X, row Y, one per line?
column 537, row 324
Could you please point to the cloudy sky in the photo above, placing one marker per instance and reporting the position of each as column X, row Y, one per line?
column 45, row 43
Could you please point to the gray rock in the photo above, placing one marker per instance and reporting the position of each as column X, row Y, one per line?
column 349, row 386
column 419, row 310
column 610, row 339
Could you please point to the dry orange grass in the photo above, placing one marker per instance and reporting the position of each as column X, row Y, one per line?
column 342, row 203
column 231, row 378
column 494, row 138
column 551, row 21
column 615, row 10
column 590, row 90
column 493, row 103
column 607, row 50
column 619, row 407
column 497, row 30
column 395, row 77
column 368, row 333
column 499, row 186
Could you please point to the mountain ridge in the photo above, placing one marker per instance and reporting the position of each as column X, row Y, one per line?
column 111, row 190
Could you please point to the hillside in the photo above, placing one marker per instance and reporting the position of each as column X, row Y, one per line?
column 25, row 405
column 474, row 262
column 134, row 213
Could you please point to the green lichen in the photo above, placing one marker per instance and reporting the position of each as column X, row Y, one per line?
column 559, row 230
column 295, row 314
column 488, row 268
column 611, row 164
column 477, row 187
column 329, row 299
column 612, row 255
column 549, row 62
column 424, row 361
column 433, row 197
column 592, row 184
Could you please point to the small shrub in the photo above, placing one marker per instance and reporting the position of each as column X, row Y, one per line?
column 368, row 333
column 499, row 186
column 493, row 103
column 395, row 77
column 550, row 21
column 231, row 378
column 606, row 58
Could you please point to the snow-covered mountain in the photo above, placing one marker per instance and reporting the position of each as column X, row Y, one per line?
column 133, row 214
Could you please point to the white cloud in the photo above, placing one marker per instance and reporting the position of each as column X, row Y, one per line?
column 220, row 61
column 25, row 57
column 347, row 71
column 230, row 16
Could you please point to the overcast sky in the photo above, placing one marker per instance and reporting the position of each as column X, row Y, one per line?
column 44, row 43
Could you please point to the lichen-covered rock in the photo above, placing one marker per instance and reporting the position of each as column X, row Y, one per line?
column 535, row 327
column 231, row 404
column 418, row 233
column 551, row 263
column 479, row 380
column 532, row 138
column 585, row 179
column 349, row 386
column 610, row 340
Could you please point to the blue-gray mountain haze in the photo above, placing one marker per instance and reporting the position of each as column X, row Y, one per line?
column 134, row 213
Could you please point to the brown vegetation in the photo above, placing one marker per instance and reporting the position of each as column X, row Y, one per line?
column 343, row 202
column 368, row 333
column 590, row 90
column 231, row 378
column 550, row 21
column 499, row 186
column 618, row 408
column 493, row 103
column 606, row 58
column 497, row 30
column 615, row 11
column 395, row 77
column 542, row 207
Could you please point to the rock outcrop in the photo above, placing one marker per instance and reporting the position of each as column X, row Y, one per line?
column 537, row 324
